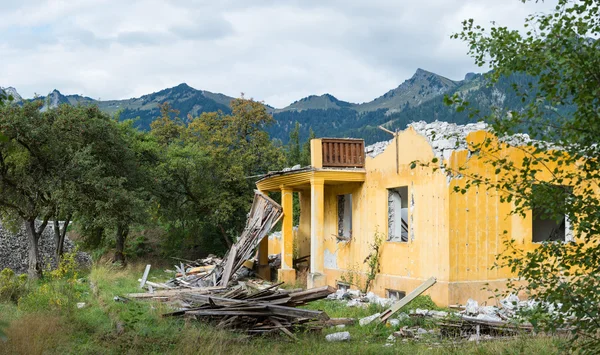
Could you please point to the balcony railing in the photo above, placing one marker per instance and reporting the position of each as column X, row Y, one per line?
column 343, row 153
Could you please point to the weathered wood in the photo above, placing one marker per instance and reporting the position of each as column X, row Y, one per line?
column 406, row 300
column 229, row 266
column 145, row 277
column 311, row 294
column 283, row 329
column 264, row 214
column 172, row 293
column 276, row 309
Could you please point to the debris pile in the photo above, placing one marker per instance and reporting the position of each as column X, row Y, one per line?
column 249, row 306
column 355, row 298
column 211, row 289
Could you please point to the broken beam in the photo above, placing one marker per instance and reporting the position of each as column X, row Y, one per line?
column 406, row 300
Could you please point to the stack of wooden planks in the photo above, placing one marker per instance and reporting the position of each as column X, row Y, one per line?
column 269, row 310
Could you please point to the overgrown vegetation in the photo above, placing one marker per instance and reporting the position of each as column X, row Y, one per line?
column 560, row 51
column 354, row 275
column 12, row 286
column 108, row 327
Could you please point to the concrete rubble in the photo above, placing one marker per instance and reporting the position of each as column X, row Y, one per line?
column 355, row 298
column 341, row 336
column 375, row 149
column 367, row 320
column 445, row 137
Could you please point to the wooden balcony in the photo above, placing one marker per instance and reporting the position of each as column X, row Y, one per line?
column 343, row 153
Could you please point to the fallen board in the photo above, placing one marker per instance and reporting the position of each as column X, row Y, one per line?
column 406, row 300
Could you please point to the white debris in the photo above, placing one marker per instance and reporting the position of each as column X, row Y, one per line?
column 393, row 322
column 511, row 302
column 472, row 307
column 430, row 313
column 80, row 305
column 356, row 303
column 446, row 137
column 354, row 293
column 338, row 295
column 375, row 149
column 369, row 319
column 295, row 167
column 391, row 339
column 341, row 336
column 402, row 316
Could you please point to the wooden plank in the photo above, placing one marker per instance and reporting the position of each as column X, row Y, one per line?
column 229, row 266
column 145, row 277
column 283, row 329
column 312, row 294
column 275, row 309
column 406, row 300
column 226, row 312
column 172, row 293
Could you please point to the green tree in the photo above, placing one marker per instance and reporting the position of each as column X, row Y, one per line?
column 561, row 53
column 293, row 151
column 305, row 153
column 204, row 185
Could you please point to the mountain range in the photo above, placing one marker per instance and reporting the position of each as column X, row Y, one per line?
column 418, row 98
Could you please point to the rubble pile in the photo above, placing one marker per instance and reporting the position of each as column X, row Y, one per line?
column 250, row 306
column 355, row 298
column 211, row 289
column 445, row 137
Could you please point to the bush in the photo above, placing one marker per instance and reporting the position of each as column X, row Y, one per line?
column 60, row 290
column 12, row 287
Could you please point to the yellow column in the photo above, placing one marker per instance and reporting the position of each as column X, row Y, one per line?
column 287, row 273
column 316, row 278
column 316, row 153
column 263, row 259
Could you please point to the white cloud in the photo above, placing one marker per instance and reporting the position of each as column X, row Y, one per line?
column 276, row 51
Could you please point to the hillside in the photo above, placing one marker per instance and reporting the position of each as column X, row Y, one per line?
column 418, row 98
column 314, row 102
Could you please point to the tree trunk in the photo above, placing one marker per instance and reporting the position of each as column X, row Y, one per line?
column 121, row 236
column 59, row 237
column 33, row 234
column 226, row 237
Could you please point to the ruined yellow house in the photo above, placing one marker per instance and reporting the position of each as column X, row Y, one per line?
column 350, row 194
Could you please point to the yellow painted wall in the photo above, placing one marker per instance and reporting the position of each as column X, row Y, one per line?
column 453, row 237
column 403, row 265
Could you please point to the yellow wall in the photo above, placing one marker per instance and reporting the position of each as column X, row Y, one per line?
column 453, row 237
column 403, row 266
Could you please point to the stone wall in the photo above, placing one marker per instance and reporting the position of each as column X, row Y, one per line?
column 14, row 250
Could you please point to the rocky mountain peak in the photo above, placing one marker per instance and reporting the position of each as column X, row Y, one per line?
column 11, row 91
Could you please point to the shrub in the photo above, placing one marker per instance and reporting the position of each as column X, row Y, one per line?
column 60, row 290
column 12, row 286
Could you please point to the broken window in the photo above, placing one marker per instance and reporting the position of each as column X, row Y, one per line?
column 345, row 216
column 398, row 214
column 395, row 294
column 544, row 226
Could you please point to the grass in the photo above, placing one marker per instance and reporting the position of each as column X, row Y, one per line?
column 104, row 326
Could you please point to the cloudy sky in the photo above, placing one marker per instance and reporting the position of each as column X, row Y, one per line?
column 272, row 50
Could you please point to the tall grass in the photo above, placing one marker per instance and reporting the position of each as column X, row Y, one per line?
column 104, row 326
